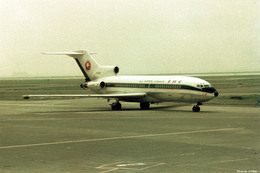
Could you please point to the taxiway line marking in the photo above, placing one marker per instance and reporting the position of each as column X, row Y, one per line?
column 235, row 160
column 110, row 170
column 119, row 137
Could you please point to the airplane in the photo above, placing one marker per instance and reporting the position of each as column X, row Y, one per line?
column 105, row 82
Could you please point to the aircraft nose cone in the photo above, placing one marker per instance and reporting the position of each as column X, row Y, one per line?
column 215, row 93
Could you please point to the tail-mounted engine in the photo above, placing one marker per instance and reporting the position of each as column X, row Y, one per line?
column 104, row 71
column 93, row 85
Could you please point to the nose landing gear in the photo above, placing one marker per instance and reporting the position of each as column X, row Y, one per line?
column 196, row 108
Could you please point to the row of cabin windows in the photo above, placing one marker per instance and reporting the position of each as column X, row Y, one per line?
column 145, row 86
column 128, row 85
column 166, row 86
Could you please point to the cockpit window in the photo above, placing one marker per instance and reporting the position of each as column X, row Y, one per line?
column 204, row 86
column 200, row 86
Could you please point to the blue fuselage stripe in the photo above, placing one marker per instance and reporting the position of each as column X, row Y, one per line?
column 154, row 86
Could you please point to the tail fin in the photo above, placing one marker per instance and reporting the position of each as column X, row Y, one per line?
column 87, row 64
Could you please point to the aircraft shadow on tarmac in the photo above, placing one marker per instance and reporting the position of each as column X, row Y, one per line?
column 166, row 108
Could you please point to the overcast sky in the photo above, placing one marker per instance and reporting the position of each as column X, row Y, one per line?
column 139, row 36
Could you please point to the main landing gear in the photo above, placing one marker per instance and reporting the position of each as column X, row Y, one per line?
column 196, row 108
column 144, row 105
column 116, row 106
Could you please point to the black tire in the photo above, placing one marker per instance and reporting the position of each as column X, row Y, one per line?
column 196, row 108
column 116, row 106
column 145, row 105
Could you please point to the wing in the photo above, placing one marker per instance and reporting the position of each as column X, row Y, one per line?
column 118, row 96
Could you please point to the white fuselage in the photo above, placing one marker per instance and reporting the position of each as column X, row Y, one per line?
column 105, row 82
column 157, row 88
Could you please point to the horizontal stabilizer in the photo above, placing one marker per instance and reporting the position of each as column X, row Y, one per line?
column 72, row 54
column 86, row 63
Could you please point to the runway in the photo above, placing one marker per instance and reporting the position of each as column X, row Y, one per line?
column 84, row 135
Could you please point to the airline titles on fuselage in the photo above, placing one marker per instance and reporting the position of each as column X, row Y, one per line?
column 157, row 81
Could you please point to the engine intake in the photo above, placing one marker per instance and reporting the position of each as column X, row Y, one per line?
column 104, row 71
column 102, row 84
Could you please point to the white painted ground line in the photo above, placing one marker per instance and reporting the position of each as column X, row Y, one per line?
column 120, row 137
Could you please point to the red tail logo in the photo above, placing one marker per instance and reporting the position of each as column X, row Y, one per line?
column 87, row 65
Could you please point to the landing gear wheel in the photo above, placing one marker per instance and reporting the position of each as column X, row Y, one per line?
column 145, row 105
column 116, row 106
column 196, row 108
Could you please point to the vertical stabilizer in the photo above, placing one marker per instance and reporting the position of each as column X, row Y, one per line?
column 87, row 64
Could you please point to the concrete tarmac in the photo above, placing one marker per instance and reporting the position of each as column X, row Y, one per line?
column 84, row 135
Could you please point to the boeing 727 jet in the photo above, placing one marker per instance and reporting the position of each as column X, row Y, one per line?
column 105, row 82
